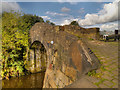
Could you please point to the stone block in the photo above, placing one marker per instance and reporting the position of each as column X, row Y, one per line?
column 76, row 56
column 62, row 78
column 71, row 72
column 52, row 83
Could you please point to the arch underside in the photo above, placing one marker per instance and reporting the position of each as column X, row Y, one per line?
column 38, row 57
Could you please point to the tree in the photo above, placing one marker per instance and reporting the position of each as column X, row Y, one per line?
column 32, row 19
column 51, row 23
column 14, row 43
column 74, row 23
column 47, row 21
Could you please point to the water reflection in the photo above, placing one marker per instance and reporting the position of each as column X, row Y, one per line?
column 28, row 81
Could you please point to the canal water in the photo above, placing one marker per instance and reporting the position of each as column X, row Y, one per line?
column 27, row 81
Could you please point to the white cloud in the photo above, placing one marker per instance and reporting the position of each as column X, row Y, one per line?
column 8, row 6
column 70, row 1
column 109, row 26
column 45, row 17
column 64, row 9
column 74, row 2
column 68, row 21
column 109, row 13
column 55, row 14
column 65, row 22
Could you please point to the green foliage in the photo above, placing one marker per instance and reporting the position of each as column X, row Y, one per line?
column 51, row 23
column 31, row 19
column 15, row 44
column 91, row 39
column 74, row 23
column 102, row 68
column 92, row 73
column 47, row 21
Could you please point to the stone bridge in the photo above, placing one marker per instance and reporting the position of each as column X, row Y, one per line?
column 61, row 53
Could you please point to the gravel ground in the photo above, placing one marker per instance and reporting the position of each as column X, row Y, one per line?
column 107, row 75
column 107, row 52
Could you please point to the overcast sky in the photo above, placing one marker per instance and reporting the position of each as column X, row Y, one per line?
column 88, row 14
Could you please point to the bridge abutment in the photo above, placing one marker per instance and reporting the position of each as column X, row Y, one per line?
column 68, row 58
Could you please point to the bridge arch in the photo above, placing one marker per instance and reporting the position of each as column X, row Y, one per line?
column 68, row 57
column 38, row 57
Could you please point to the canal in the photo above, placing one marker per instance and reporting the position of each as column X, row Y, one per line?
column 27, row 81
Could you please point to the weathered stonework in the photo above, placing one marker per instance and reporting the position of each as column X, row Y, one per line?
column 67, row 57
column 92, row 33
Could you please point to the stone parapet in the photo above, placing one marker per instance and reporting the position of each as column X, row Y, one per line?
column 67, row 57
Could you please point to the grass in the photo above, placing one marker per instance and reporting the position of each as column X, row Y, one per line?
column 91, row 39
column 106, row 59
column 98, row 83
column 103, row 68
column 92, row 73
column 97, row 75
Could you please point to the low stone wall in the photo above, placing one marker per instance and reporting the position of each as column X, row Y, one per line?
column 68, row 58
column 92, row 33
